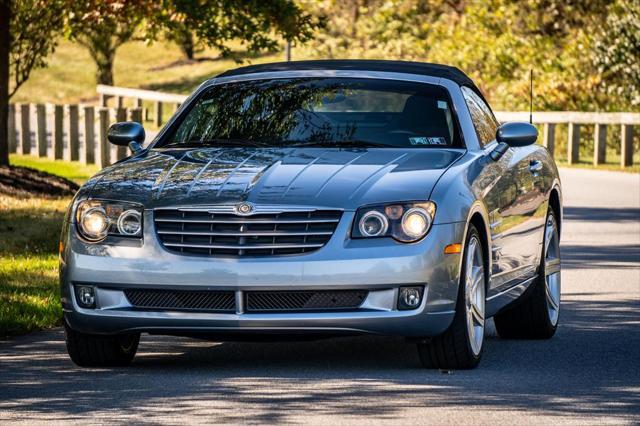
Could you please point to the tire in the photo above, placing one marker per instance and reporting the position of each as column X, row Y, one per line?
column 536, row 317
column 460, row 347
column 89, row 350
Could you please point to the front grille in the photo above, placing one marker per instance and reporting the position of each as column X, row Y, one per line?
column 193, row 300
column 303, row 300
column 207, row 232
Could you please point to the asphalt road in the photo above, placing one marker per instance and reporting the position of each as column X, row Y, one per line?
column 588, row 373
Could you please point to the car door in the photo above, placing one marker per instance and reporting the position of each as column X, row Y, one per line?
column 506, row 201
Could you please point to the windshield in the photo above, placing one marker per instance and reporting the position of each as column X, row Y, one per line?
column 319, row 112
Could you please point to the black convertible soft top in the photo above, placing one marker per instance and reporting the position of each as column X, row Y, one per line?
column 407, row 67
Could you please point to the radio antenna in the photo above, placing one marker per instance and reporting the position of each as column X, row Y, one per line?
column 531, row 95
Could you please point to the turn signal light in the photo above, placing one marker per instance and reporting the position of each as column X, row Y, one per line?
column 453, row 249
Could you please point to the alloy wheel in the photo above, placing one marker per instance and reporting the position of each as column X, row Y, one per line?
column 552, row 269
column 475, row 295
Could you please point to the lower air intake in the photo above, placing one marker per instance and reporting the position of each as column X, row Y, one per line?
column 181, row 300
column 270, row 301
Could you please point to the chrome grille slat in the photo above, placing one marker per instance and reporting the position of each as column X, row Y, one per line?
column 243, row 247
column 217, row 231
column 241, row 220
column 245, row 234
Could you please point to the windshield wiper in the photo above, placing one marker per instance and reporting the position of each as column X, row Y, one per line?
column 352, row 143
column 197, row 143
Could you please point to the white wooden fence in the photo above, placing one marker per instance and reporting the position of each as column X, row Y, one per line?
column 67, row 132
column 78, row 132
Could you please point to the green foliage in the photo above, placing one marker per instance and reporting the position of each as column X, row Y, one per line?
column 33, row 33
column 259, row 25
column 102, row 26
column 618, row 51
column 497, row 42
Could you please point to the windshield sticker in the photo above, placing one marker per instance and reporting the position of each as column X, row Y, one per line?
column 422, row 140
column 442, row 105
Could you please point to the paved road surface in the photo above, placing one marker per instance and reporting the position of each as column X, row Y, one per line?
column 588, row 373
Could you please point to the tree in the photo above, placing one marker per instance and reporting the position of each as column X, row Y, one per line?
column 102, row 26
column 618, row 51
column 257, row 24
column 29, row 30
column 183, row 37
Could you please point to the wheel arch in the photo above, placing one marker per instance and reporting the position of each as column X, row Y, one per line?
column 555, row 202
column 479, row 218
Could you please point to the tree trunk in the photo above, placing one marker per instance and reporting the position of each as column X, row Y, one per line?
column 104, row 62
column 5, row 20
column 188, row 46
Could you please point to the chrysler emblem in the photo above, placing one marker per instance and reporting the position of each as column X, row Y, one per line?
column 244, row 208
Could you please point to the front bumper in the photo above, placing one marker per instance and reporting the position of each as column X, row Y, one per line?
column 379, row 266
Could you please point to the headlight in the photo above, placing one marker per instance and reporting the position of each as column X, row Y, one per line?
column 97, row 219
column 405, row 222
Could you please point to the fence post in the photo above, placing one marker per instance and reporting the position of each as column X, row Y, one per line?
column 104, row 99
column 573, row 143
column 626, row 148
column 158, row 114
column 12, row 134
column 89, row 135
column 121, row 115
column 25, row 124
column 549, row 136
column 74, row 137
column 58, row 132
column 600, row 144
column 41, row 122
column 135, row 114
column 105, row 148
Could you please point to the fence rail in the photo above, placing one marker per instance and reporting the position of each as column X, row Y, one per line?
column 78, row 132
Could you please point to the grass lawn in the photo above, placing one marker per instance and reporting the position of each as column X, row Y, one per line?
column 29, row 233
column 70, row 75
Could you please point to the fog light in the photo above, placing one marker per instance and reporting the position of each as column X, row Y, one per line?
column 85, row 297
column 409, row 298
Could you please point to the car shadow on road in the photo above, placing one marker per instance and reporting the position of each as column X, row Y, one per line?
column 602, row 214
column 589, row 368
column 621, row 256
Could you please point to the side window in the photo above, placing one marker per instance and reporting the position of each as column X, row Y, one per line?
column 481, row 115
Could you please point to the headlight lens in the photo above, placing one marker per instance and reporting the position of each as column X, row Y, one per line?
column 94, row 223
column 405, row 222
column 373, row 224
column 97, row 219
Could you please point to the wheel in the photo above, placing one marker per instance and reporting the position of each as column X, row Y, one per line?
column 89, row 350
column 460, row 347
column 536, row 317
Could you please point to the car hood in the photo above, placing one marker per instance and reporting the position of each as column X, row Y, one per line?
column 333, row 177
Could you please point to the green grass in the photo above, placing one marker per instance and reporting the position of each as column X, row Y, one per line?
column 29, row 235
column 70, row 74
column 29, row 293
column 72, row 170
column 615, row 167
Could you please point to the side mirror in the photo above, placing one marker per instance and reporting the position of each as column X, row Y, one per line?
column 517, row 134
column 127, row 133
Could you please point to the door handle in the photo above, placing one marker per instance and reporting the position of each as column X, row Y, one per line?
column 535, row 166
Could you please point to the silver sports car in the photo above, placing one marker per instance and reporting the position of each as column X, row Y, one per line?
column 318, row 198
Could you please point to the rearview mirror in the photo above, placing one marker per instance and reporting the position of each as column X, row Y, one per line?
column 517, row 134
column 127, row 133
